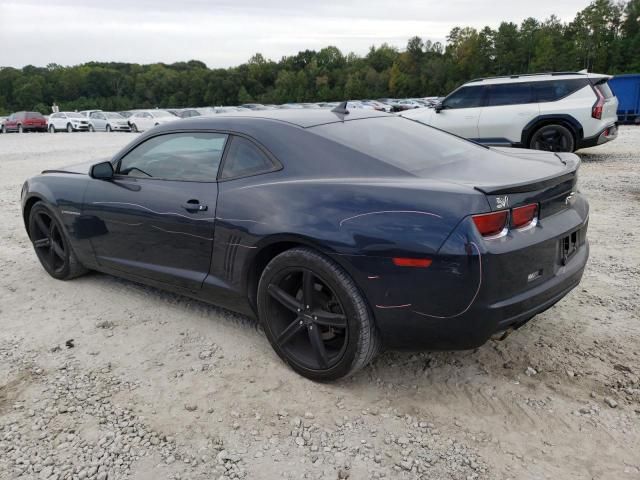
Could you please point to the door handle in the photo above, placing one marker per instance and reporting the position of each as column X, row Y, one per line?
column 194, row 205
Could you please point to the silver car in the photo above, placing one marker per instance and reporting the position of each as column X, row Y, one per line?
column 108, row 122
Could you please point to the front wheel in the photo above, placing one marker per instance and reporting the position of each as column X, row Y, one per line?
column 4, row 129
column 91, row 129
column 51, row 245
column 108, row 128
column 20, row 129
column 52, row 129
column 69, row 128
column 134, row 128
column 553, row 138
column 315, row 317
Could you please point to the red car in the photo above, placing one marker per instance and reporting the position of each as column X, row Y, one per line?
column 24, row 122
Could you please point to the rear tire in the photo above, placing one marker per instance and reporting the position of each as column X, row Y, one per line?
column 553, row 138
column 52, row 245
column 4, row 129
column 333, row 337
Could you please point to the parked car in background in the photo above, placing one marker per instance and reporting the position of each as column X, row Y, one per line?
column 24, row 122
column 558, row 112
column 68, row 121
column 2, row 119
column 108, row 122
column 87, row 113
column 145, row 119
column 381, row 107
column 184, row 112
column 408, row 104
column 254, row 106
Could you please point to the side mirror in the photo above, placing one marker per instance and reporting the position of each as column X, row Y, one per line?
column 439, row 107
column 102, row 171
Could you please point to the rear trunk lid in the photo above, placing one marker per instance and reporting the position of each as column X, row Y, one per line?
column 511, row 177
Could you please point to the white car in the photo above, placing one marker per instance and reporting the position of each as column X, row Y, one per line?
column 558, row 112
column 145, row 119
column 108, row 122
column 69, row 121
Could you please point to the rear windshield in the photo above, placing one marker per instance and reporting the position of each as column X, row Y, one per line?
column 409, row 145
column 34, row 115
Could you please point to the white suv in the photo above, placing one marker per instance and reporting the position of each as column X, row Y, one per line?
column 559, row 112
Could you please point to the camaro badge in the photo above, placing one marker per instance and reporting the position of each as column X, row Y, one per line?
column 502, row 202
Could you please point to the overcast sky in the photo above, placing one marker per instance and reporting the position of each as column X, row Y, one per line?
column 224, row 33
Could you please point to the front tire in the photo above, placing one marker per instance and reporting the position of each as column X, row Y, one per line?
column 134, row 128
column 52, row 129
column 315, row 317
column 20, row 129
column 51, row 244
column 553, row 138
column 91, row 129
column 108, row 129
column 69, row 128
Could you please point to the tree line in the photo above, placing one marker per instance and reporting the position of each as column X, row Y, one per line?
column 604, row 38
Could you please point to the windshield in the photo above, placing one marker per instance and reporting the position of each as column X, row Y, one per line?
column 403, row 143
column 74, row 115
column 113, row 115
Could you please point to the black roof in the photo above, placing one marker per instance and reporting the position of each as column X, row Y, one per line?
column 304, row 118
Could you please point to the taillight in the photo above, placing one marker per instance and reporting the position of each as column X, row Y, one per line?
column 490, row 224
column 596, row 111
column 524, row 216
column 411, row 262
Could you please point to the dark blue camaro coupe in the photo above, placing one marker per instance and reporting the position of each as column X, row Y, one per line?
column 344, row 233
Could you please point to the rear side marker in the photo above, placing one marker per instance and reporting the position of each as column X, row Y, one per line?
column 412, row 262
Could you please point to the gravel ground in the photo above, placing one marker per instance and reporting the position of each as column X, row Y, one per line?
column 160, row 386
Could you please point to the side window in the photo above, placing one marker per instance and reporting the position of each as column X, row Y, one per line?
column 176, row 156
column 244, row 158
column 94, row 115
column 465, row 97
column 553, row 90
column 510, row 94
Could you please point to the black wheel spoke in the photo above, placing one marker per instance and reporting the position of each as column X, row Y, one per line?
column 44, row 229
column 318, row 347
column 329, row 319
column 308, row 289
column 42, row 243
column 57, row 249
column 284, row 298
column 288, row 333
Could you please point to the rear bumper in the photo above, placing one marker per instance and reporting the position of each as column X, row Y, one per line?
column 409, row 330
column 607, row 134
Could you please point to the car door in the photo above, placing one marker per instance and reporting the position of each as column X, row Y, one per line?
column 60, row 122
column 11, row 123
column 460, row 111
column 98, row 120
column 155, row 218
column 509, row 108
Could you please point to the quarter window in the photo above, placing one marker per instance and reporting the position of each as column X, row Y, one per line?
column 244, row 158
column 465, row 97
column 176, row 156
column 553, row 90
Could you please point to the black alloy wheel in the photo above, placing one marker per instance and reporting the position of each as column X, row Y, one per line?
column 553, row 138
column 51, row 245
column 314, row 316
